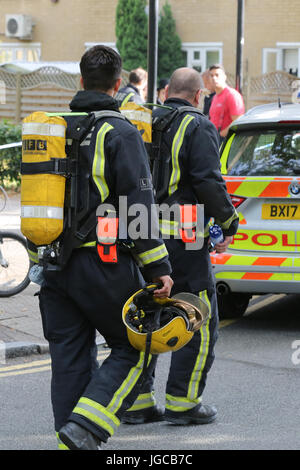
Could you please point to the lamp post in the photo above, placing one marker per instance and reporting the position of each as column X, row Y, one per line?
column 152, row 50
column 239, row 46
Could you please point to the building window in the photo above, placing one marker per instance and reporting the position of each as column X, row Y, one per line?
column 20, row 52
column 201, row 55
column 285, row 57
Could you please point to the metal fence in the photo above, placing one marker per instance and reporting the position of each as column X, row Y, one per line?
column 270, row 87
column 47, row 89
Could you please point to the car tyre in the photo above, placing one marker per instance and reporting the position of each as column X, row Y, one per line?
column 232, row 305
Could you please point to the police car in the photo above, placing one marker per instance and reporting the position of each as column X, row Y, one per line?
column 260, row 161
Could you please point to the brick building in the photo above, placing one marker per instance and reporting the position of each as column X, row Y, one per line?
column 64, row 29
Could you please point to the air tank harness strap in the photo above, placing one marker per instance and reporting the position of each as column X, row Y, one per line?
column 107, row 233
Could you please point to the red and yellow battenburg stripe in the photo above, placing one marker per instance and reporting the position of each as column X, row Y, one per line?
column 250, row 186
column 240, row 261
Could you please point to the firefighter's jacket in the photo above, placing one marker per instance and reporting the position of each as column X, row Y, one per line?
column 114, row 157
column 127, row 94
column 195, row 172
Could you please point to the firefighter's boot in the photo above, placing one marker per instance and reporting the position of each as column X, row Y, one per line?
column 147, row 415
column 200, row 414
column 75, row 437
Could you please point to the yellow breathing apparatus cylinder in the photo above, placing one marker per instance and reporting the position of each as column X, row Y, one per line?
column 140, row 117
column 42, row 194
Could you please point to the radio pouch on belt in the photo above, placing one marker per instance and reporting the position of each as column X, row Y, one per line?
column 188, row 223
column 107, row 232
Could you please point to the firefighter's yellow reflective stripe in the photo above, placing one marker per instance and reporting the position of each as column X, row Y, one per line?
column 203, row 353
column 176, row 146
column 98, row 414
column 206, row 230
column 180, row 403
column 188, row 225
column 127, row 98
column 98, row 171
column 42, row 212
column 144, row 400
column 88, row 245
column 61, row 445
column 33, row 256
column 49, row 130
column 155, row 254
column 127, row 385
column 168, row 227
column 225, row 154
column 225, row 225
column 171, row 227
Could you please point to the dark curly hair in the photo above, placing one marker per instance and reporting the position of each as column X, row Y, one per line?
column 100, row 67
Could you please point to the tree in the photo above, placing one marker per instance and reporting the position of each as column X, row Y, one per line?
column 132, row 33
column 170, row 55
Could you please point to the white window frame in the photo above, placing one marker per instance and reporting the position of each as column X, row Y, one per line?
column 202, row 47
column 280, row 47
column 14, row 47
column 265, row 52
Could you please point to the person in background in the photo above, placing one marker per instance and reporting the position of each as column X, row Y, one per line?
column 161, row 90
column 227, row 104
column 135, row 90
column 209, row 91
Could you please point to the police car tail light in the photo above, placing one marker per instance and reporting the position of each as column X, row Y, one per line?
column 237, row 200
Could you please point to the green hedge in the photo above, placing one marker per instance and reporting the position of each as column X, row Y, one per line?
column 10, row 159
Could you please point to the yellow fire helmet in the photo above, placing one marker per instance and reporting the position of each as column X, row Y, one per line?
column 159, row 325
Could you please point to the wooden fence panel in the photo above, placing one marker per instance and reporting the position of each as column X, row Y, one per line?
column 45, row 98
column 47, row 89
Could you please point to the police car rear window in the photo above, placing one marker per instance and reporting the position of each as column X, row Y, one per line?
column 264, row 153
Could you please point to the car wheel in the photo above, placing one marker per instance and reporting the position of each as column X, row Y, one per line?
column 232, row 305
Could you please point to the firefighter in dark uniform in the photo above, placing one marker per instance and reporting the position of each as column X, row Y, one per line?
column 88, row 294
column 136, row 88
column 194, row 178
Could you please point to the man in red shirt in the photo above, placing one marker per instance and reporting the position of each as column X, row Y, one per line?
column 227, row 104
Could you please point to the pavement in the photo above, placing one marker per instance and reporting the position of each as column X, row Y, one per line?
column 21, row 332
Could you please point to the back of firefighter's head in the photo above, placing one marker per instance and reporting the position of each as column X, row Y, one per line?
column 138, row 77
column 101, row 68
column 185, row 83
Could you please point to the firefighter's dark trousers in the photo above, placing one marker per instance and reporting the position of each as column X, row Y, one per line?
column 191, row 364
column 88, row 295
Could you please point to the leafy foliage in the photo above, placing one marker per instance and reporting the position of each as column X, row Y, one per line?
column 10, row 159
column 132, row 33
column 170, row 55
column 132, row 37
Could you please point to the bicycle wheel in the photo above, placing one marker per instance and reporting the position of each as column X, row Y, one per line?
column 3, row 198
column 14, row 264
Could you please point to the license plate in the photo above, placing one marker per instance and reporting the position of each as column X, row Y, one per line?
column 281, row 211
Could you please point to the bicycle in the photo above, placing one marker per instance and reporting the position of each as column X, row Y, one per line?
column 14, row 263
column 3, row 198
